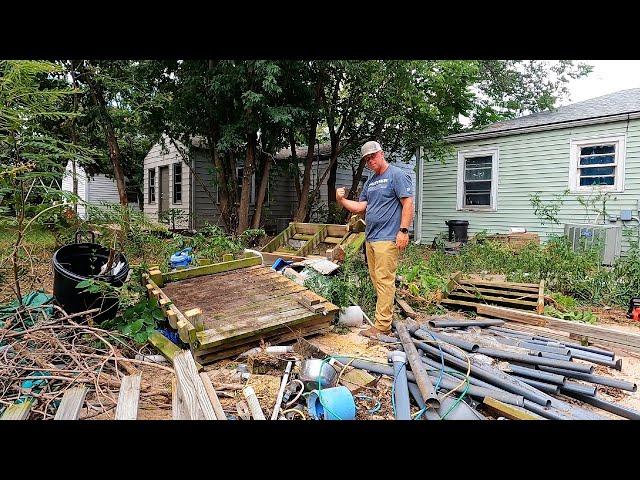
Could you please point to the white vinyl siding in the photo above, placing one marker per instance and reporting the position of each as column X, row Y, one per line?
column 597, row 164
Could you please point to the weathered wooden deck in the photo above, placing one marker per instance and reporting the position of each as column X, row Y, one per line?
column 241, row 307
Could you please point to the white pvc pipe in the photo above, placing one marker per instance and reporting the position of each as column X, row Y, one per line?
column 254, row 404
column 283, row 384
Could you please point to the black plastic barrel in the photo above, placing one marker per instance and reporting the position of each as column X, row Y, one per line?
column 76, row 262
column 458, row 230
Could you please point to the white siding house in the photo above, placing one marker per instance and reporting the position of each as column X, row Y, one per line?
column 91, row 189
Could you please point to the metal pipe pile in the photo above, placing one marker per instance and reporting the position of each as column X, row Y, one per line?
column 540, row 372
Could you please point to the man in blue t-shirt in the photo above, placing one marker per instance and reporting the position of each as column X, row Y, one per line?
column 387, row 199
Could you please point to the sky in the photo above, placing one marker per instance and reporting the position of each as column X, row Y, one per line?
column 608, row 76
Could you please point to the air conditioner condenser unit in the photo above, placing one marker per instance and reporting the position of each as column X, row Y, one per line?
column 585, row 235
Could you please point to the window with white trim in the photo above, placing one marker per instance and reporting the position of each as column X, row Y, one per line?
column 177, row 183
column 152, row 185
column 477, row 179
column 597, row 164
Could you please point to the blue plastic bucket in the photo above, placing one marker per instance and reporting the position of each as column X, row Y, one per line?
column 337, row 404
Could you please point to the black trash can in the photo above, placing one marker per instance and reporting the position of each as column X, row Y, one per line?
column 76, row 262
column 458, row 230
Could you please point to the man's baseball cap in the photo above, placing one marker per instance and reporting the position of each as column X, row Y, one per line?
column 369, row 148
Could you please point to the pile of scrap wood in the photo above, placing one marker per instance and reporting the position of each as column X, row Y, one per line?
column 515, row 240
column 301, row 240
column 63, row 370
column 474, row 293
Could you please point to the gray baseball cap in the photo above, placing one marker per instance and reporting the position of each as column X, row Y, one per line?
column 369, row 148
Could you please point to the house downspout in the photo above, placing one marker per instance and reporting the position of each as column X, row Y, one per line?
column 417, row 235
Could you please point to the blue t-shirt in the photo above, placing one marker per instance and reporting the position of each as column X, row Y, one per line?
column 384, row 210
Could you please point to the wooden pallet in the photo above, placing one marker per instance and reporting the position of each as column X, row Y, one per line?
column 471, row 293
column 301, row 240
column 225, row 313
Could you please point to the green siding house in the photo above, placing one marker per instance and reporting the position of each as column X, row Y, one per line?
column 587, row 148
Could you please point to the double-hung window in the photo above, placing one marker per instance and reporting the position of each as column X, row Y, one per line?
column 597, row 164
column 477, row 179
column 152, row 185
column 177, row 183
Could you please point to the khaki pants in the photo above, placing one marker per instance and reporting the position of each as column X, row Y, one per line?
column 382, row 258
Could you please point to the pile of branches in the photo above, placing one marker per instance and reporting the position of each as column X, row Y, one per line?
column 44, row 359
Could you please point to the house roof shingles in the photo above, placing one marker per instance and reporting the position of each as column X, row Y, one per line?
column 625, row 101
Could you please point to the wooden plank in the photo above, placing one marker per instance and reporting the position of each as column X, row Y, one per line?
column 509, row 411
column 336, row 230
column 335, row 240
column 406, row 308
column 460, row 303
column 525, row 287
column 540, row 308
column 213, row 397
column 190, row 386
column 269, row 258
column 308, row 228
column 227, row 257
column 511, row 314
column 185, row 329
column 261, row 306
column 356, row 240
column 166, row 347
column 18, row 411
column 498, row 292
column 209, row 269
column 491, row 298
column 128, row 398
column 279, row 239
column 308, row 247
column 209, row 338
column 71, row 404
column 178, row 411
column 277, row 337
column 302, row 236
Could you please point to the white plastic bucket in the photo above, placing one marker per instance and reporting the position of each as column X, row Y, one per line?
column 351, row 316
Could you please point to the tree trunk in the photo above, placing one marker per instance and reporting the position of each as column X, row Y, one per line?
column 294, row 159
column 114, row 150
column 357, row 175
column 245, row 195
column 223, row 185
column 264, row 182
column 303, row 204
column 331, row 182
column 74, row 135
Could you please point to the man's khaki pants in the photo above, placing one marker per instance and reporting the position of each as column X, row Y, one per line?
column 382, row 258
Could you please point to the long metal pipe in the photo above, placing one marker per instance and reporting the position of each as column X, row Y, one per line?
column 446, row 384
column 556, row 356
column 544, row 348
column 458, row 342
column 598, row 379
column 429, row 413
column 575, row 387
column 401, row 389
column 464, row 323
column 550, row 413
column 422, row 379
column 595, row 358
column 511, row 333
column 542, row 386
column 489, row 376
column 572, row 345
column 550, row 362
column 548, row 377
column 607, row 406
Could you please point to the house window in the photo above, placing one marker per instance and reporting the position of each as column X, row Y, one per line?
column 152, row 185
column 597, row 164
column 477, row 179
column 177, row 183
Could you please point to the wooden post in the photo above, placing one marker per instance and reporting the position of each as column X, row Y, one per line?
column 195, row 318
column 18, row 411
column 128, row 398
column 156, row 276
column 540, row 307
column 417, row 367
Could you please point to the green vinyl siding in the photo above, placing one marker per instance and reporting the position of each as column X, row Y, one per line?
column 528, row 163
